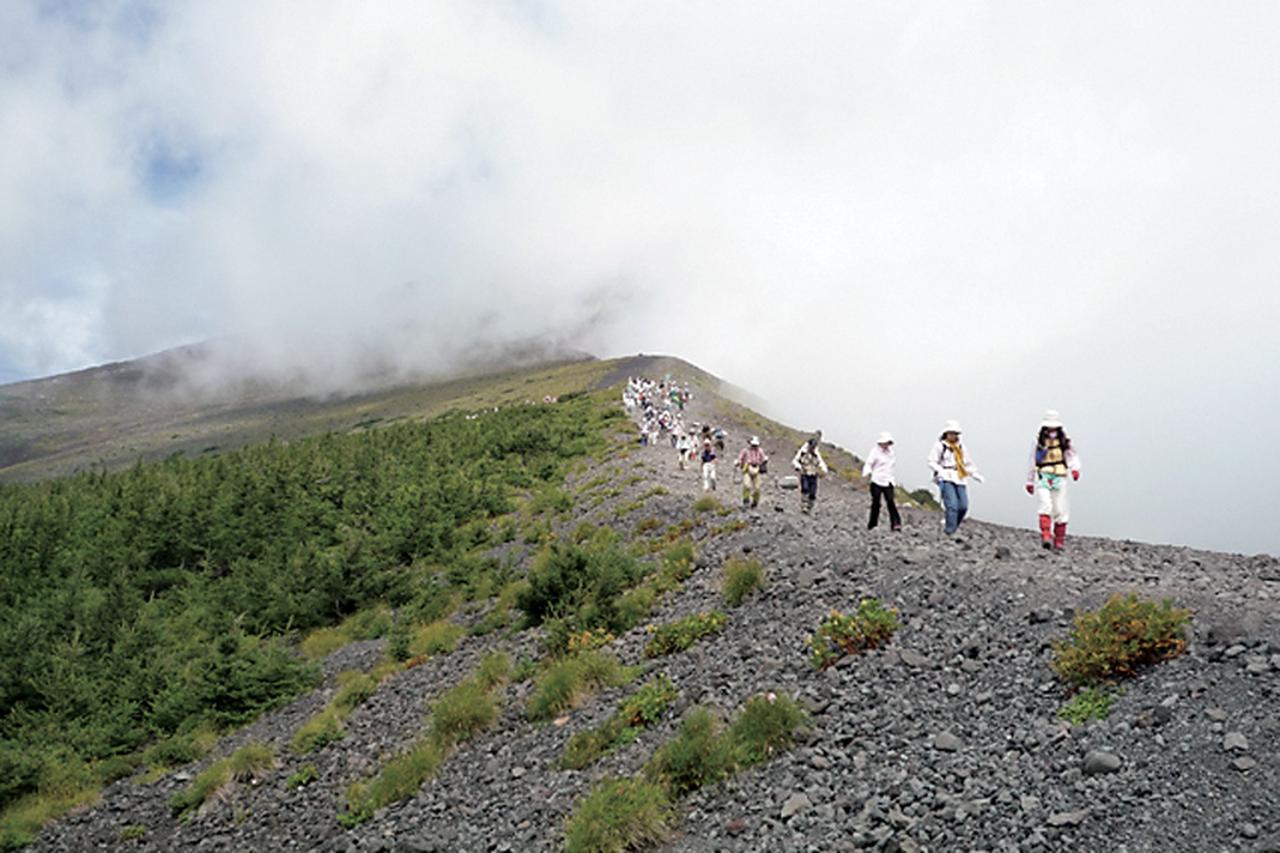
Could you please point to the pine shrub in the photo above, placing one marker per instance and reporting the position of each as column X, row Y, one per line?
column 843, row 634
column 1124, row 635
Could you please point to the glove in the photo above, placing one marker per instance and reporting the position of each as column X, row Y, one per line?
column 978, row 478
column 1031, row 490
column 1075, row 475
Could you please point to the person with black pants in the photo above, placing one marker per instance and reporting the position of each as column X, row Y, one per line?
column 880, row 468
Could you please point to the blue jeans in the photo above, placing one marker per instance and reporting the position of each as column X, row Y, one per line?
column 955, row 498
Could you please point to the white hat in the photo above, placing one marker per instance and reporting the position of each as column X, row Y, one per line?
column 951, row 426
column 755, row 441
column 1051, row 420
column 884, row 438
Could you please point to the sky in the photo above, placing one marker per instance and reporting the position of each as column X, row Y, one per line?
column 872, row 215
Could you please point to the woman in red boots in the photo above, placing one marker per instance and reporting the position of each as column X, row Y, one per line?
column 1053, row 461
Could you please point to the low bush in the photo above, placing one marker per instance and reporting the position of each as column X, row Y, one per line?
column 641, row 710
column 1091, row 703
column 247, row 762
column 321, row 730
column 581, row 585
column 133, row 832
column 436, row 638
column 843, row 634
column 365, row 625
column 766, row 726
column 398, row 779
column 462, row 712
column 644, row 525
column 620, row 815
column 741, row 579
column 567, row 682
column 706, row 503
column 698, row 755
column 1124, row 635
column 180, row 749
column 683, row 633
column 305, row 776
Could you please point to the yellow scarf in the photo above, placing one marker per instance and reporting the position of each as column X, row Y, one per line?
column 958, row 452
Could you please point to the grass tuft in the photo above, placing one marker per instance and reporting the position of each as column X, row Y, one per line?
column 683, row 633
column 620, row 815
column 741, row 579
column 246, row 763
column 569, row 681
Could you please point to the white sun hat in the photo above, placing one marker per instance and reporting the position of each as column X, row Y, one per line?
column 1051, row 420
column 884, row 438
column 755, row 441
column 951, row 426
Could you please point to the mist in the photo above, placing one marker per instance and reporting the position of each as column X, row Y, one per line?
column 875, row 216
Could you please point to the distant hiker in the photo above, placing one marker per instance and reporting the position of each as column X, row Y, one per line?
column 708, row 458
column 683, row 447
column 952, row 468
column 1052, row 460
column 720, row 436
column 808, row 461
column 753, row 462
column 880, row 468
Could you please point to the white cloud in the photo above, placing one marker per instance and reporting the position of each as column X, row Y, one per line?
column 877, row 215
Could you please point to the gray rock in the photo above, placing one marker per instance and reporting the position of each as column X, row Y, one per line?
column 1244, row 764
column 1100, row 761
column 1235, row 742
column 915, row 660
column 795, row 804
column 1067, row 818
column 946, row 742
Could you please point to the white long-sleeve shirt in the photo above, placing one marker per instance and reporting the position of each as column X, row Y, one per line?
column 1071, row 459
column 819, row 465
column 943, row 464
column 880, row 466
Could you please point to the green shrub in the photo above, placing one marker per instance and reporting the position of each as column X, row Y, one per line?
column 644, row 525
column 365, row 625
column 62, row 783
column 321, row 730
column 843, row 634
column 462, row 712
column 436, row 638
column 398, row 779
column 619, row 815
column 567, row 682
column 581, row 585
column 683, row 633
column 180, row 749
column 244, row 764
column 133, row 832
column 1118, row 639
column 305, row 776
column 115, row 768
column 1089, row 704
column 766, row 726
column 494, row 671
column 741, row 579
column 695, row 757
column 706, row 503
column 354, row 688
column 642, row 709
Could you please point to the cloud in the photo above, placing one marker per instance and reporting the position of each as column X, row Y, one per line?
column 876, row 215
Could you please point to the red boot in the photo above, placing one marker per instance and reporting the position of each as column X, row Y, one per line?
column 1045, row 535
column 1059, row 536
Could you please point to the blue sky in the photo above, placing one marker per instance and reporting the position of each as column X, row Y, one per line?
column 875, row 215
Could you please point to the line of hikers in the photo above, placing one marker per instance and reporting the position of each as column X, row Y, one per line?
column 1053, row 462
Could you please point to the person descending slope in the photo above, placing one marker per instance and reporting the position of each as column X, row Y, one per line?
column 808, row 461
column 684, row 444
column 708, row 457
column 1052, row 460
column 952, row 468
column 752, row 461
column 880, row 468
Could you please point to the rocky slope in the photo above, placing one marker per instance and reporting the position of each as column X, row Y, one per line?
column 946, row 740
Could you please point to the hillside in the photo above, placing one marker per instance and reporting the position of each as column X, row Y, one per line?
column 948, row 737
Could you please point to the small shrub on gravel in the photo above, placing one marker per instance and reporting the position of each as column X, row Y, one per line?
column 1117, row 639
column 741, row 579
column 245, row 763
column 569, row 681
column 398, row 779
column 436, row 638
column 683, row 633
column 843, row 634
column 647, row 524
column 706, row 503
column 133, row 832
column 641, row 710
column 319, row 731
column 494, row 670
column 581, row 584
column 462, row 712
column 698, row 755
column 1089, row 704
column 766, row 726
column 620, row 815
column 365, row 625
column 305, row 776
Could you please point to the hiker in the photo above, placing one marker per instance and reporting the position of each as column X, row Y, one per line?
column 708, row 458
column 952, row 468
column 808, row 461
column 720, row 436
column 683, row 446
column 880, row 468
column 753, row 462
column 1052, row 460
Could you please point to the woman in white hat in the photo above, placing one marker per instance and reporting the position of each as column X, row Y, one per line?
column 880, row 468
column 1053, row 459
column 952, row 470
column 751, row 462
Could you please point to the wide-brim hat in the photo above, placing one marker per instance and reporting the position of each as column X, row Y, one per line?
column 884, row 438
column 951, row 426
column 755, row 441
column 1051, row 420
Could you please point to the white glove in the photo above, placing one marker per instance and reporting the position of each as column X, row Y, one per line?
column 978, row 478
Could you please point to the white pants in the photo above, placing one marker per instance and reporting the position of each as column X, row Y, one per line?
column 1053, row 502
column 708, row 476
